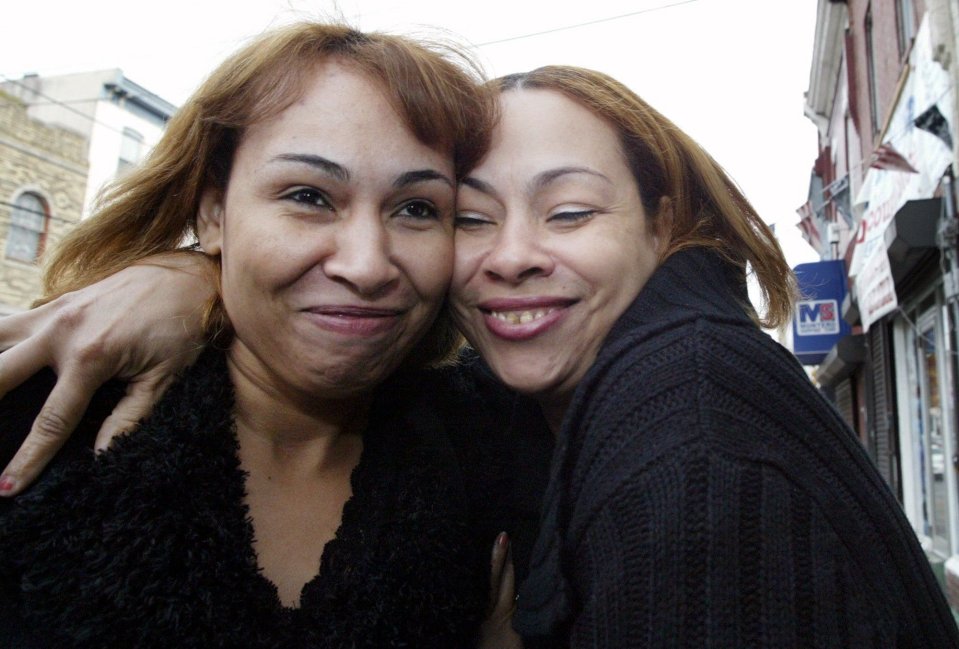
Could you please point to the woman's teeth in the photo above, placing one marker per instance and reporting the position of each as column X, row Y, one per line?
column 520, row 317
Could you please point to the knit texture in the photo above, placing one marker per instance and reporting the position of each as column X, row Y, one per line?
column 504, row 446
column 150, row 544
column 704, row 494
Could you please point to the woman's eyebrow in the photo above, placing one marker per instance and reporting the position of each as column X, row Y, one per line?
column 544, row 178
column 478, row 185
column 334, row 169
column 421, row 175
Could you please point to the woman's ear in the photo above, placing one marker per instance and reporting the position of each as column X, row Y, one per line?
column 209, row 221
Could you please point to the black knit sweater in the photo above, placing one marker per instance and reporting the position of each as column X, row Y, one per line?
column 150, row 544
column 703, row 494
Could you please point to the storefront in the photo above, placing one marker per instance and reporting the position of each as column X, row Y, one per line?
column 923, row 363
column 925, row 349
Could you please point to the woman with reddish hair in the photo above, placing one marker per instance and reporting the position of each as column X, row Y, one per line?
column 286, row 491
column 701, row 492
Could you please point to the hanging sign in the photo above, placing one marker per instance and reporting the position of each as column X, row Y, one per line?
column 817, row 321
column 907, row 166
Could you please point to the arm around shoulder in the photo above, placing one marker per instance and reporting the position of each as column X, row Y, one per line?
column 90, row 336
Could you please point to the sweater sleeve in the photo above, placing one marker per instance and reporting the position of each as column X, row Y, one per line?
column 703, row 551
column 17, row 411
column 715, row 500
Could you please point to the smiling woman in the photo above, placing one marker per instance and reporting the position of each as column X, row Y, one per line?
column 537, row 291
column 322, row 264
column 700, row 493
column 282, row 494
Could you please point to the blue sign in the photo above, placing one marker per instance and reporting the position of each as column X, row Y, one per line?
column 817, row 322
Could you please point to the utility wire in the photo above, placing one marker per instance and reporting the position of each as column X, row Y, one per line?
column 585, row 24
column 20, row 208
column 66, row 105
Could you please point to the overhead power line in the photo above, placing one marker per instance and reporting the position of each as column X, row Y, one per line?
column 484, row 44
column 586, row 23
column 52, row 100
column 21, row 208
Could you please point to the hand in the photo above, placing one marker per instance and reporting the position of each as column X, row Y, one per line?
column 142, row 324
column 497, row 632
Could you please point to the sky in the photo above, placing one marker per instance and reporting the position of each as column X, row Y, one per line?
column 731, row 73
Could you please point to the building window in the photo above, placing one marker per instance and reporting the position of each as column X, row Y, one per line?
column 871, row 70
column 905, row 25
column 131, row 150
column 28, row 224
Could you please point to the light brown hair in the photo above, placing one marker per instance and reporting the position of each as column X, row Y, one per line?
column 435, row 88
column 708, row 209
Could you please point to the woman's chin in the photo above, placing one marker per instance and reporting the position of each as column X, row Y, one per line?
column 528, row 379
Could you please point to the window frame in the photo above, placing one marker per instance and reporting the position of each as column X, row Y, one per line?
column 37, row 234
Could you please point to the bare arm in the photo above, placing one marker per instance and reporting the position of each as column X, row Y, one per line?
column 142, row 324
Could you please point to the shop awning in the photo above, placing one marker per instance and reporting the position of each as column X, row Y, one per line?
column 911, row 234
column 842, row 360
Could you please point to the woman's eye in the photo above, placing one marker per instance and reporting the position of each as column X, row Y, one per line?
column 572, row 216
column 422, row 210
column 467, row 220
column 308, row 196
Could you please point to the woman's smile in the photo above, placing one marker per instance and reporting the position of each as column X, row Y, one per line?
column 335, row 236
column 524, row 318
column 552, row 244
column 355, row 321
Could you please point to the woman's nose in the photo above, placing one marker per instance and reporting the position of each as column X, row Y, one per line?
column 519, row 252
column 362, row 255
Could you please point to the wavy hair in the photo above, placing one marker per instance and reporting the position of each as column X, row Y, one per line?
column 708, row 208
column 436, row 89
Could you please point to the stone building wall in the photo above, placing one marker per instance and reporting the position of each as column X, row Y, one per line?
column 49, row 162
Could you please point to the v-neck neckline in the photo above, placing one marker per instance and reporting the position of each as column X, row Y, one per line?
column 315, row 587
column 151, row 539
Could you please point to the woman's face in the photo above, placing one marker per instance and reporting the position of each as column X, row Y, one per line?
column 336, row 238
column 552, row 244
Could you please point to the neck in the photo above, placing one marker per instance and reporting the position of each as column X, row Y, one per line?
column 282, row 432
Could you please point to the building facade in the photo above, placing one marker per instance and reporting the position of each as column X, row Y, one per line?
column 62, row 140
column 882, row 205
column 120, row 119
column 43, row 178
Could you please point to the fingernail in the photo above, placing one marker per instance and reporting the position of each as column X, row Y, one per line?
column 7, row 485
column 502, row 540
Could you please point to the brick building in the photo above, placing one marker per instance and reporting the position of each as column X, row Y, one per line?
column 43, row 177
column 63, row 138
column 882, row 205
column 120, row 119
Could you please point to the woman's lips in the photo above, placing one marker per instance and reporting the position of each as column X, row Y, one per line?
column 523, row 318
column 354, row 321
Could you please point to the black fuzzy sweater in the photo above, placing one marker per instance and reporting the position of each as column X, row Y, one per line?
column 150, row 544
column 703, row 494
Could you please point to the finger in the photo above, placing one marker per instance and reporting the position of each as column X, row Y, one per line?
column 17, row 327
column 59, row 416
column 139, row 400
column 506, row 599
column 497, row 563
column 20, row 362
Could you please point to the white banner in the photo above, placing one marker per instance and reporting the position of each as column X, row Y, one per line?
column 886, row 191
column 875, row 290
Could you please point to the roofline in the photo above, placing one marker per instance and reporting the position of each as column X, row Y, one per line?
column 137, row 94
column 827, row 56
